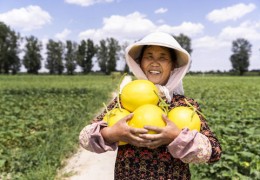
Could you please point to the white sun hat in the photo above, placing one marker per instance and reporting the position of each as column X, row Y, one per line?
column 159, row 39
column 174, row 84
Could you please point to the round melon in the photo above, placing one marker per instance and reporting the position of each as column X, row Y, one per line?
column 137, row 93
column 147, row 114
column 114, row 116
column 185, row 117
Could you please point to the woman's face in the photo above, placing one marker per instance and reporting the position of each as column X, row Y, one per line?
column 156, row 64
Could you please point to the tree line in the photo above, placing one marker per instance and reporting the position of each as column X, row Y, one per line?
column 65, row 57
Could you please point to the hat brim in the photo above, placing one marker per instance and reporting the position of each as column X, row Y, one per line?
column 183, row 57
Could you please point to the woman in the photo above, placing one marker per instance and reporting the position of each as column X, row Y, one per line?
column 159, row 58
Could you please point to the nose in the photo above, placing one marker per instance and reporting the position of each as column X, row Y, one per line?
column 155, row 62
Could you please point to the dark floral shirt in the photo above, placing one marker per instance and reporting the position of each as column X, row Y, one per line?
column 134, row 163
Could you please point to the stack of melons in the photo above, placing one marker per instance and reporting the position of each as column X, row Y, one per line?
column 140, row 97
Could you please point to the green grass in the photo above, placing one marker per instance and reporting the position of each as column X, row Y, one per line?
column 232, row 106
column 56, row 82
column 41, row 117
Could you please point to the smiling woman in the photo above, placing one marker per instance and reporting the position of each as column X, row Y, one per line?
column 166, row 152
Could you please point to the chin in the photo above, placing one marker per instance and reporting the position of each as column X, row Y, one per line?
column 154, row 81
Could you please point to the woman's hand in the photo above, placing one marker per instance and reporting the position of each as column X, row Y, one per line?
column 120, row 131
column 163, row 135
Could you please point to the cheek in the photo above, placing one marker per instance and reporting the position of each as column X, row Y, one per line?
column 168, row 67
column 143, row 66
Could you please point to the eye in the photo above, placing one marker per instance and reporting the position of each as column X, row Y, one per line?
column 149, row 57
column 162, row 58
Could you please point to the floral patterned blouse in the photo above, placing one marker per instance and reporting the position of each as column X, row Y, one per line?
column 165, row 162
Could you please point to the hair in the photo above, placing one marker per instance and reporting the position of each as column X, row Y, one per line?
column 173, row 54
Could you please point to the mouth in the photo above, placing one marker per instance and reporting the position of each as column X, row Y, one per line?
column 154, row 72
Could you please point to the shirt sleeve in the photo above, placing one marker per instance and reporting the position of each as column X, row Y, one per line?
column 90, row 137
column 191, row 147
column 194, row 146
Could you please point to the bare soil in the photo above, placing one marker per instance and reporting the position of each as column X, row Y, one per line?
column 85, row 165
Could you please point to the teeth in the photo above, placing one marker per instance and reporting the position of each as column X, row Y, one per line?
column 155, row 72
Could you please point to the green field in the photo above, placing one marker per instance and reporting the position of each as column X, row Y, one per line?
column 41, row 117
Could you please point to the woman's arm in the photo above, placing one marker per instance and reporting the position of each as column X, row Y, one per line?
column 90, row 137
column 98, row 137
column 194, row 146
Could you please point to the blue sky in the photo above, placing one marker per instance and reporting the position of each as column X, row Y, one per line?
column 211, row 25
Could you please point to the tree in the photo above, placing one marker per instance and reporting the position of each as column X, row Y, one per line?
column 70, row 57
column 86, row 52
column 102, row 55
column 13, row 53
column 123, row 47
column 9, row 50
column 113, row 54
column 32, row 58
column 241, row 49
column 108, row 54
column 184, row 41
column 90, row 53
column 54, row 61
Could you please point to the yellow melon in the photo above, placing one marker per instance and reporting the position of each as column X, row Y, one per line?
column 148, row 114
column 185, row 117
column 114, row 116
column 137, row 93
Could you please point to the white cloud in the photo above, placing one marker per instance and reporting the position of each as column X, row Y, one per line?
column 93, row 34
column 215, row 51
column 187, row 28
column 134, row 26
column 123, row 28
column 26, row 19
column 205, row 59
column 210, row 43
column 161, row 11
column 160, row 21
column 87, row 2
column 63, row 35
column 230, row 13
column 248, row 30
column 210, row 53
column 131, row 23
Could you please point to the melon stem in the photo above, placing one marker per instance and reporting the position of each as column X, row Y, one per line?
column 105, row 107
column 108, row 113
column 162, row 103
column 194, row 109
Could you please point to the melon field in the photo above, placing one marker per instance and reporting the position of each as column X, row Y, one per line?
column 41, row 117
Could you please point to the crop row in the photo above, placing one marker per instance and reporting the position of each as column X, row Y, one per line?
column 41, row 118
column 232, row 106
column 39, row 127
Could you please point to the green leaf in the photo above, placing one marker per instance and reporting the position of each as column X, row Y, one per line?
column 2, row 162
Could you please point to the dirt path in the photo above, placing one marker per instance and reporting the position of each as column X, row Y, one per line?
column 85, row 165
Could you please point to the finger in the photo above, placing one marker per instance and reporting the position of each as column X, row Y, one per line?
column 137, row 141
column 151, row 137
column 138, row 130
column 153, row 128
column 128, row 117
column 166, row 119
